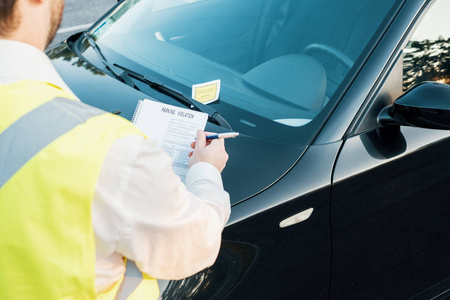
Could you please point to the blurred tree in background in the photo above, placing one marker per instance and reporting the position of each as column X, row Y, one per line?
column 426, row 61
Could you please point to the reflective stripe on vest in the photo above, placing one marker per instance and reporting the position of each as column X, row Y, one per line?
column 136, row 285
column 51, row 153
column 38, row 128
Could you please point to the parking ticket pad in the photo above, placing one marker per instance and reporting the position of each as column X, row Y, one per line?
column 173, row 129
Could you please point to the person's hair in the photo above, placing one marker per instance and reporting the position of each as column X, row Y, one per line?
column 8, row 18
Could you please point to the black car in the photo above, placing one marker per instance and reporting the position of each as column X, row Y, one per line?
column 340, row 178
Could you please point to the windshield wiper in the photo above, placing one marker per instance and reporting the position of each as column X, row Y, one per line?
column 122, row 76
column 213, row 115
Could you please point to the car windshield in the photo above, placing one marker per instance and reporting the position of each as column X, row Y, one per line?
column 282, row 64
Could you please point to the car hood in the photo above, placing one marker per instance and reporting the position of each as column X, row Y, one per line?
column 253, row 164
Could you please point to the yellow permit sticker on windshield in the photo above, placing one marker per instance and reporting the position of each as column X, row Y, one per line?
column 206, row 92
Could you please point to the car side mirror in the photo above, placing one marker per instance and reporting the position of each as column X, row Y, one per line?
column 424, row 105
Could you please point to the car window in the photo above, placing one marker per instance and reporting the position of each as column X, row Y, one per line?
column 427, row 56
column 281, row 62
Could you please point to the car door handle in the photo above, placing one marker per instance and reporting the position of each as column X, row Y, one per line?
column 297, row 218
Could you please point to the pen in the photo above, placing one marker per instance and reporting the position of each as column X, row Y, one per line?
column 222, row 135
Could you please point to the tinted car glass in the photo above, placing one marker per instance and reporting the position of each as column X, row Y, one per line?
column 427, row 56
column 280, row 62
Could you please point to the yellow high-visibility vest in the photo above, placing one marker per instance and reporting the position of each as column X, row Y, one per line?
column 52, row 148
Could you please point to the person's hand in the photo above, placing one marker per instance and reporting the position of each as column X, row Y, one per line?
column 210, row 151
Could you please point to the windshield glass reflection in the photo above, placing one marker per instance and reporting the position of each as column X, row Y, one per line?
column 280, row 63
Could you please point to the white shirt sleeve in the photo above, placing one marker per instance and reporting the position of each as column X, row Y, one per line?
column 142, row 210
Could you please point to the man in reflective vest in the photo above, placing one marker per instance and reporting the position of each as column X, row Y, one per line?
column 82, row 191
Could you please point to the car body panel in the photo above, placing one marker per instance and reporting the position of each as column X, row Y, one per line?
column 394, row 234
column 255, row 249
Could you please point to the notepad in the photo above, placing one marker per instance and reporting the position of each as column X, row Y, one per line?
column 172, row 128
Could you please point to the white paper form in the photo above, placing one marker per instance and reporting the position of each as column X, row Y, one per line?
column 172, row 128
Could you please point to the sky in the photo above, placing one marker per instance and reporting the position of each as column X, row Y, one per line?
column 435, row 23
